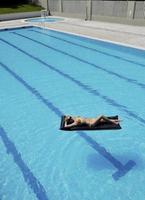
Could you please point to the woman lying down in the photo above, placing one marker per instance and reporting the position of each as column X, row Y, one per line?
column 71, row 122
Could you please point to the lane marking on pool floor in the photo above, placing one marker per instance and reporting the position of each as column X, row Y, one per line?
column 83, row 46
column 129, row 80
column 82, row 85
column 28, row 175
column 121, row 169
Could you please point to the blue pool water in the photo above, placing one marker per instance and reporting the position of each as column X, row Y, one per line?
column 44, row 74
column 48, row 19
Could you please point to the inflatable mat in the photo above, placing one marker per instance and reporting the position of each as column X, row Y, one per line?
column 102, row 126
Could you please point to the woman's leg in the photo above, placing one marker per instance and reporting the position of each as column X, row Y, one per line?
column 97, row 120
column 101, row 119
column 106, row 119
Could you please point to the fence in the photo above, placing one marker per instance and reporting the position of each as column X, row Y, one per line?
column 98, row 9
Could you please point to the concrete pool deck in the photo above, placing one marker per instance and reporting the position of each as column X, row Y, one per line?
column 119, row 33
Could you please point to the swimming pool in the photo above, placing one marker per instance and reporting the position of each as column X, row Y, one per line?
column 45, row 74
column 44, row 19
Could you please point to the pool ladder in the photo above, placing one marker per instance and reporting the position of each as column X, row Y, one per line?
column 44, row 14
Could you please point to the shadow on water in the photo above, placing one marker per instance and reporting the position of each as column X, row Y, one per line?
column 121, row 168
column 97, row 163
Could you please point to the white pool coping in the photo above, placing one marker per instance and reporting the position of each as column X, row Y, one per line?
column 129, row 36
column 95, row 38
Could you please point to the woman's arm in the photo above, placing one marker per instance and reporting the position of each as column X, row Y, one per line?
column 70, row 125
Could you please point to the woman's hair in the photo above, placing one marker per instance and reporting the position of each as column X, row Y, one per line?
column 69, row 120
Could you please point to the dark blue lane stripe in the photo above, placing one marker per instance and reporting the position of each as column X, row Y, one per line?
column 92, row 49
column 82, row 85
column 29, row 177
column 122, row 169
column 129, row 80
column 33, row 90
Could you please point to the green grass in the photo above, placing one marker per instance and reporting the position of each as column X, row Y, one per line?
column 20, row 8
